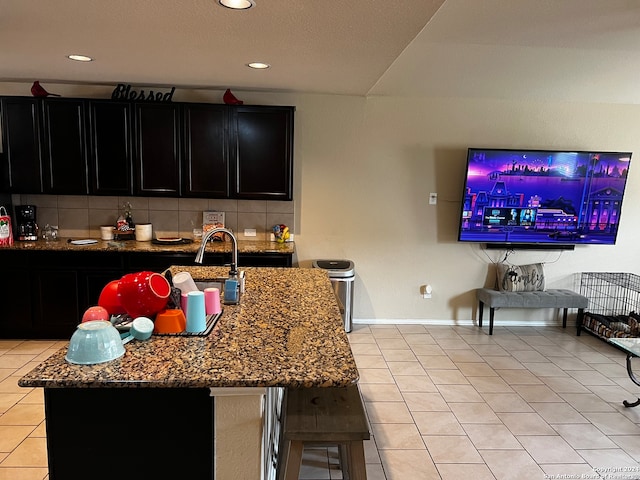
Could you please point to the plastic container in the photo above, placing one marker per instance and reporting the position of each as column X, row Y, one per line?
column 170, row 321
column 143, row 294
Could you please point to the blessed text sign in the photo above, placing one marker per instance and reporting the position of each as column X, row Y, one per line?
column 124, row 92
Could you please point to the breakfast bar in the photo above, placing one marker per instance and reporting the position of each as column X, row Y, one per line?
column 179, row 405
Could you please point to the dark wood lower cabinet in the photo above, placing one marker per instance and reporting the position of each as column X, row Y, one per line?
column 56, row 301
column 46, row 292
column 16, row 310
column 129, row 433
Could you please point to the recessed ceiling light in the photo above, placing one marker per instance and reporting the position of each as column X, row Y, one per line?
column 237, row 4
column 80, row 58
column 258, row 65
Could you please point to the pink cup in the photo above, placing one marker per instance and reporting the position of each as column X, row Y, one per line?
column 183, row 303
column 212, row 301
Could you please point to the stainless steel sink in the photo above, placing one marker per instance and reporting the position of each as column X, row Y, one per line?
column 218, row 282
column 211, row 283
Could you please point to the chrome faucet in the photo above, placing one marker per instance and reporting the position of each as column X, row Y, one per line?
column 234, row 252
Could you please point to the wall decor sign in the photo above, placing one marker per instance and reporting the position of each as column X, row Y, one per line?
column 124, row 92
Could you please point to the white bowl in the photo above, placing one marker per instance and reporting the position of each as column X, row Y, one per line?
column 94, row 342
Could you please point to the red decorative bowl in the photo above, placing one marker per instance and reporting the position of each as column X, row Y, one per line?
column 143, row 294
column 109, row 298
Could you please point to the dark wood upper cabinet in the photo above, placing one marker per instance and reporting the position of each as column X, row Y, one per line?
column 110, row 163
column 21, row 155
column 261, row 152
column 105, row 147
column 157, row 149
column 64, row 147
column 205, row 165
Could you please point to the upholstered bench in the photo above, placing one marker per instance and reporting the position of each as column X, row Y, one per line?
column 559, row 298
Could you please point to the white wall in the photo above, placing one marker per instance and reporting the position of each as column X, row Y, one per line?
column 364, row 168
column 400, row 149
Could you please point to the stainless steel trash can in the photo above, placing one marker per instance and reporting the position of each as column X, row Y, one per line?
column 341, row 274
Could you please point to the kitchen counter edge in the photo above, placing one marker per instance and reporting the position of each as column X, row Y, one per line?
column 64, row 245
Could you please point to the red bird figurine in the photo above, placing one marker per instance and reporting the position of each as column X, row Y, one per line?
column 38, row 91
column 230, row 99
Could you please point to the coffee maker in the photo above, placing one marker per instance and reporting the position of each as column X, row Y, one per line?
column 27, row 228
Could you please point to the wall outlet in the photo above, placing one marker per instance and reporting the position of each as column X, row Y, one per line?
column 250, row 232
column 433, row 198
column 425, row 291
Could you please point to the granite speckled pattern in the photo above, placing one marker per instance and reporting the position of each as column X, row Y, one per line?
column 63, row 245
column 286, row 331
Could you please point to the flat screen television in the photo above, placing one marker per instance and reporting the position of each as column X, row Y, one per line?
column 542, row 198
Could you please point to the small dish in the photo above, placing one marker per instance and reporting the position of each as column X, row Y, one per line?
column 171, row 241
column 87, row 241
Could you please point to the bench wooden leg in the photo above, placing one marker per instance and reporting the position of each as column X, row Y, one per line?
column 491, row 312
column 291, row 460
column 480, row 310
column 343, row 458
column 356, row 464
column 564, row 318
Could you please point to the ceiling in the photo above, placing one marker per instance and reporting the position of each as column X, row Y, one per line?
column 563, row 50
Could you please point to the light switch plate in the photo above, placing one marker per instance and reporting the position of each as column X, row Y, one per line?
column 433, row 198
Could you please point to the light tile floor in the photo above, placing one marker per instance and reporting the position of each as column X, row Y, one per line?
column 23, row 450
column 444, row 402
column 526, row 403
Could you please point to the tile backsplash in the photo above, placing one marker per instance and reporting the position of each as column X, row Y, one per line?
column 82, row 215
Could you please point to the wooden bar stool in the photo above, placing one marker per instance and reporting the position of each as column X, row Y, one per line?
column 324, row 416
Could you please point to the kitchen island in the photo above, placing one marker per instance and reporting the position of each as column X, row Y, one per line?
column 155, row 400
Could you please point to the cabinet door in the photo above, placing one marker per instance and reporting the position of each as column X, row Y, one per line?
column 262, row 152
column 65, row 284
column 265, row 260
column 22, row 164
column 110, row 155
column 157, row 153
column 15, row 285
column 65, row 152
column 85, row 424
column 55, row 302
column 206, row 171
column 93, row 283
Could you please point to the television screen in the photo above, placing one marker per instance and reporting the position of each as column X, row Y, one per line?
column 542, row 198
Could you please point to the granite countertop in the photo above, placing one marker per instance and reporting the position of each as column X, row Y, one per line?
column 287, row 331
column 63, row 245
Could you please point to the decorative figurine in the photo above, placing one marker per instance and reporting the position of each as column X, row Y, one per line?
column 230, row 99
column 281, row 232
column 38, row 91
column 125, row 221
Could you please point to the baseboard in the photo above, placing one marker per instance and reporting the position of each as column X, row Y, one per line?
column 452, row 323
